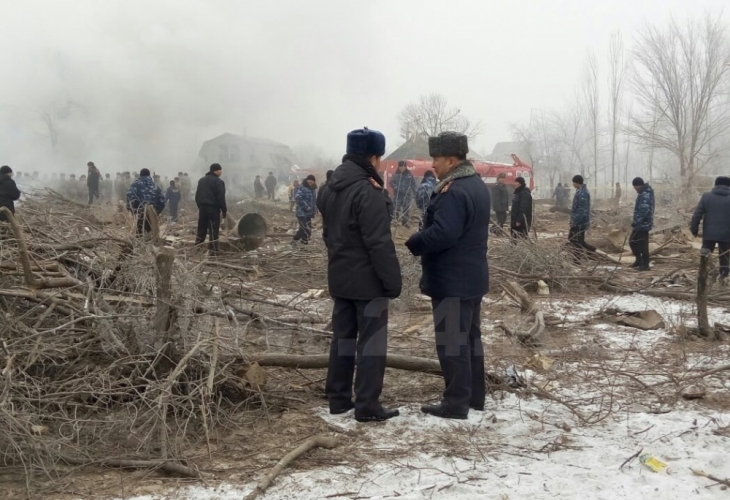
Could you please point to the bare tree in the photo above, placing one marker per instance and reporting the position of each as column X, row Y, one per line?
column 590, row 96
column 617, row 75
column 679, row 83
column 432, row 114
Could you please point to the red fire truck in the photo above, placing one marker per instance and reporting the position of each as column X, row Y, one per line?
column 486, row 169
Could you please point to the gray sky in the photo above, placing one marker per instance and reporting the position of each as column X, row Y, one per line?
column 156, row 78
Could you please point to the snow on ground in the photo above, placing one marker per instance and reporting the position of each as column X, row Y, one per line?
column 499, row 458
column 520, row 448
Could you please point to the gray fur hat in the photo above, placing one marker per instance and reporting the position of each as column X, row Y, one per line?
column 448, row 144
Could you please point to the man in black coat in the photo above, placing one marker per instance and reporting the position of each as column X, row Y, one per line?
column 92, row 182
column 173, row 197
column 714, row 208
column 270, row 183
column 9, row 192
column 500, row 199
column 521, row 215
column 453, row 250
column 363, row 274
column 210, row 196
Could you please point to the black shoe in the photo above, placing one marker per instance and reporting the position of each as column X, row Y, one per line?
column 635, row 264
column 339, row 410
column 643, row 267
column 439, row 411
column 381, row 415
column 477, row 407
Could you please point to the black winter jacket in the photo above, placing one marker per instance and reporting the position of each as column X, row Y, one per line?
column 356, row 228
column 500, row 198
column 714, row 208
column 270, row 182
column 453, row 242
column 522, row 207
column 211, row 193
column 9, row 193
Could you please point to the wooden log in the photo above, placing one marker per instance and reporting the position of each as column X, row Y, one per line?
column 317, row 361
column 164, row 261
column 703, row 322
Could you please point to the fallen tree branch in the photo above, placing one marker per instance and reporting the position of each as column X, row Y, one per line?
column 315, row 361
column 314, row 442
column 167, row 466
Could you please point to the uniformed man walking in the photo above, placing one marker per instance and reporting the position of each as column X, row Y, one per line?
column 363, row 274
column 210, row 197
column 453, row 251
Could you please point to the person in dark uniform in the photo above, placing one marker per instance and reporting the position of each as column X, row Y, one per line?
column 580, row 219
column 210, row 197
column 521, row 214
column 92, row 182
column 712, row 211
column 363, row 274
column 9, row 192
column 270, row 184
column 642, row 224
column 173, row 197
column 453, row 251
column 404, row 190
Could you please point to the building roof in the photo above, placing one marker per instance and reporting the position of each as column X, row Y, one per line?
column 503, row 150
column 250, row 153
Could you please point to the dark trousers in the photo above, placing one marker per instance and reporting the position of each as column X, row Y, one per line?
column 639, row 243
column 724, row 254
column 501, row 219
column 173, row 212
column 304, row 232
column 209, row 223
column 93, row 194
column 577, row 239
column 460, row 351
column 519, row 232
column 270, row 193
column 359, row 333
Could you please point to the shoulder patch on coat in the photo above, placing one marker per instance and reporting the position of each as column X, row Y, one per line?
column 375, row 183
column 446, row 187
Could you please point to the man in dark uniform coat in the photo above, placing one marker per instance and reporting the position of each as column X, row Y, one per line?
column 453, row 251
column 363, row 274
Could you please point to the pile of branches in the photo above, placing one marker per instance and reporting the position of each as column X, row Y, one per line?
column 110, row 350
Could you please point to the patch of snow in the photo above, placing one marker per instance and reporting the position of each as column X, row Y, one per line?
column 504, row 455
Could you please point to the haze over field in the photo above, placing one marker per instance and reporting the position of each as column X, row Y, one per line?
column 135, row 83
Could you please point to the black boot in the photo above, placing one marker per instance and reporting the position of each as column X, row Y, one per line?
column 636, row 263
column 476, row 406
column 441, row 412
column 381, row 415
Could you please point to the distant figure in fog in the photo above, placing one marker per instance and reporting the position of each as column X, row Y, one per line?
column 270, row 184
column 173, row 200
column 258, row 187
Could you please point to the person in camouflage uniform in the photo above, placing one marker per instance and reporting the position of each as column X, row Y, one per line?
column 580, row 218
column 642, row 224
column 141, row 193
column 305, row 198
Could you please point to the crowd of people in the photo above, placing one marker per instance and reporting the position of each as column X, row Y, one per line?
column 363, row 269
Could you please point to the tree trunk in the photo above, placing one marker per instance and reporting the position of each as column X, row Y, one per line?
column 703, row 322
column 164, row 260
